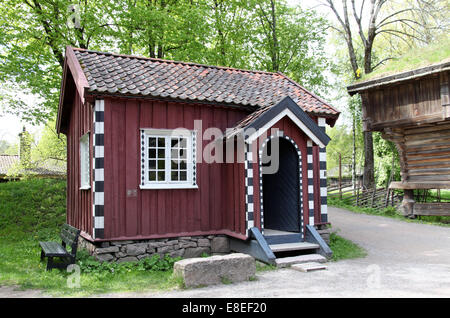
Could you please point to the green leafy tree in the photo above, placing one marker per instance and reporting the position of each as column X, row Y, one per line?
column 291, row 40
column 262, row 34
column 51, row 146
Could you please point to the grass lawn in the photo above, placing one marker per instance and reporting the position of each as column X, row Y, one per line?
column 345, row 249
column 34, row 210
column 390, row 211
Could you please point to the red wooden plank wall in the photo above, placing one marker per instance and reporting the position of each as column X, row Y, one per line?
column 79, row 202
column 218, row 203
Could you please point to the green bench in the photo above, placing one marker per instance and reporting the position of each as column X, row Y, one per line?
column 69, row 236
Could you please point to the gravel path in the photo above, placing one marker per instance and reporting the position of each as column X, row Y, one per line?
column 404, row 260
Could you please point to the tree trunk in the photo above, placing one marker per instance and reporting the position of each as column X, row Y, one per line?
column 369, row 164
column 275, row 52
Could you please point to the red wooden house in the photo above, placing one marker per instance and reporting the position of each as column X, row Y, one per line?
column 175, row 154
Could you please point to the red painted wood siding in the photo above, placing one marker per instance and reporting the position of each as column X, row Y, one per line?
column 79, row 202
column 218, row 203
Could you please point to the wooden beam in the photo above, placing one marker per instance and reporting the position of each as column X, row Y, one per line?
column 438, row 209
column 419, row 185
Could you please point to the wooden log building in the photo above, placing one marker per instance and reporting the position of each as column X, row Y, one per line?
column 412, row 109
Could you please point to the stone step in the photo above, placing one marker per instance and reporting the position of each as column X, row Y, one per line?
column 288, row 261
column 308, row 267
column 298, row 246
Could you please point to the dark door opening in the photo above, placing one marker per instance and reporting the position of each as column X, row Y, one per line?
column 281, row 190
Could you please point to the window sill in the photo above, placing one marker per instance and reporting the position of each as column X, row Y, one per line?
column 85, row 188
column 167, row 186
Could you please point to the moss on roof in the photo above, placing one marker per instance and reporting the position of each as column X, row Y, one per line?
column 438, row 52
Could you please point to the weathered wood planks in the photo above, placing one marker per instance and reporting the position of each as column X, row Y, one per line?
column 436, row 209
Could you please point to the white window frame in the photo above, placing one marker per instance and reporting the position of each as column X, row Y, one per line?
column 85, row 175
column 168, row 183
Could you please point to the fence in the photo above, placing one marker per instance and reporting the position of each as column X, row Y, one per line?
column 377, row 198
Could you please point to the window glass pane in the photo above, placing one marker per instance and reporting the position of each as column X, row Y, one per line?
column 152, row 175
column 183, row 154
column 152, row 142
column 161, row 164
column 174, row 142
column 161, row 153
column 84, row 161
column 183, row 176
column 152, row 153
column 174, row 175
column 174, row 165
column 161, row 142
column 183, row 165
column 183, row 143
column 152, row 164
column 161, row 175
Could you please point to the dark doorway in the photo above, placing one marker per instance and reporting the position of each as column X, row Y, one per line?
column 281, row 190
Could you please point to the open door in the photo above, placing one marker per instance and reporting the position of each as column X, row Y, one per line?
column 281, row 191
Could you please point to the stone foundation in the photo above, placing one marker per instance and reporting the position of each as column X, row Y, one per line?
column 185, row 247
column 324, row 231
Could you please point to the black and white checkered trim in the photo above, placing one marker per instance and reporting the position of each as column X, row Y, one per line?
column 98, row 169
column 309, row 153
column 323, row 176
column 249, row 205
column 280, row 134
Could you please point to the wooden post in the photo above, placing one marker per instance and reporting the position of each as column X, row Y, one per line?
column 357, row 196
column 340, row 177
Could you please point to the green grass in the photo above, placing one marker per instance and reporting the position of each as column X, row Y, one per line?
column 414, row 59
column 390, row 212
column 344, row 249
column 33, row 210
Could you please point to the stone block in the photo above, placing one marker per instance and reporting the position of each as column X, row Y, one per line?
column 136, row 249
column 177, row 253
column 111, row 249
column 155, row 244
column 127, row 259
column 172, row 242
column 196, row 252
column 215, row 269
column 165, row 249
column 220, row 245
column 187, row 244
column 121, row 242
column 104, row 257
column 203, row 243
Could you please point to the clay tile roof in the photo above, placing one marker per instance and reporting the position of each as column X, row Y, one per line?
column 109, row 73
column 7, row 161
column 44, row 168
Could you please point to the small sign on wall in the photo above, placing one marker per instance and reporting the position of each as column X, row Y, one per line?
column 131, row 193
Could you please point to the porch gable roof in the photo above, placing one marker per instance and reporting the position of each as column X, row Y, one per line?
column 260, row 121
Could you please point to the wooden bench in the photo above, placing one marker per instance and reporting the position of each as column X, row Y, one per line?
column 69, row 236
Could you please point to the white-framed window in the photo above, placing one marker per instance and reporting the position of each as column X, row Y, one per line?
column 85, row 182
column 168, row 159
